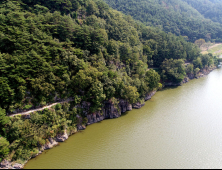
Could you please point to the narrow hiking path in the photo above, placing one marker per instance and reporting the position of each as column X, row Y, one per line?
column 40, row 109
column 205, row 49
column 215, row 45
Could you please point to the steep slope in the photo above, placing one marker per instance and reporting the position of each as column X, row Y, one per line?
column 45, row 51
column 175, row 16
column 210, row 9
column 80, row 50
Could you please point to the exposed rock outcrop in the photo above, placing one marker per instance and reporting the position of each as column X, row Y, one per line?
column 124, row 106
column 150, row 95
column 94, row 117
column 186, row 80
column 80, row 125
column 49, row 145
column 108, row 111
column 129, row 107
column 62, row 137
column 138, row 105
column 10, row 165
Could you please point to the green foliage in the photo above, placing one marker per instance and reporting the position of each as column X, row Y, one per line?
column 189, row 69
column 209, row 9
column 27, row 107
column 187, row 18
column 58, row 106
column 4, row 120
column 173, row 70
column 152, row 78
column 82, row 50
column 4, row 148
column 25, row 135
column 196, row 71
column 47, row 53
column 197, row 63
column 130, row 94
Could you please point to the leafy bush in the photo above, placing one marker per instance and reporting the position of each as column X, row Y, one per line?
column 4, row 148
column 27, row 107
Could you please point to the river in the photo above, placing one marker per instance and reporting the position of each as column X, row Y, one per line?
column 178, row 128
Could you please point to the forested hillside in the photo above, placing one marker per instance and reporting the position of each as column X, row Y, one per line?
column 175, row 16
column 81, row 49
column 210, row 9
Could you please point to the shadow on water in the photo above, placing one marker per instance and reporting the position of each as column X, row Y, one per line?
column 124, row 114
column 168, row 88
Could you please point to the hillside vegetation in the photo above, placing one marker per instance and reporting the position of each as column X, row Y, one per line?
column 81, row 49
column 180, row 17
column 210, row 9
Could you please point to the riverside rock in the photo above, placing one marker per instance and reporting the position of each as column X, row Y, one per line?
column 62, row 137
column 185, row 80
column 110, row 111
column 50, row 144
column 138, row 105
column 80, row 125
column 10, row 165
column 17, row 166
column 94, row 117
column 129, row 107
column 5, row 164
column 150, row 95
column 124, row 105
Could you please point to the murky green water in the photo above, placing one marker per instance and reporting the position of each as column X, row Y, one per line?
column 178, row 128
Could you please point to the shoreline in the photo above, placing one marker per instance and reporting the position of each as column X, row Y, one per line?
column 94, row 118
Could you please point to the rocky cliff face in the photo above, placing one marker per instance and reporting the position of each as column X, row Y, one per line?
column 108, row 111
column 150, row 95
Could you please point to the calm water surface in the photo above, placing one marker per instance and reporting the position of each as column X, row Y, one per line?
column 178, row 128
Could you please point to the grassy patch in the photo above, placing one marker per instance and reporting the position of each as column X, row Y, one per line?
column 215, row 49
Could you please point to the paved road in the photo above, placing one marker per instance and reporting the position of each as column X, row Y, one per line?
column 39, row 109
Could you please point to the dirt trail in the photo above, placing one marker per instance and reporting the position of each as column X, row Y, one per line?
column 215, row 45
column 203, row 49
column 40, row 109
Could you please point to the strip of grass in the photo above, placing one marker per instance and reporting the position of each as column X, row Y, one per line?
column 217, row 50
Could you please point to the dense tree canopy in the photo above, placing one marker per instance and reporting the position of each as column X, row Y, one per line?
column 193, row 19
column 47, row 51
column 210, row 9
column 80, row 49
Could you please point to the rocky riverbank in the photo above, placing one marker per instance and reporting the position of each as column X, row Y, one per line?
column 109, row 111
column 202, row 73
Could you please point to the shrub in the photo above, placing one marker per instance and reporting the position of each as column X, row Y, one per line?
column 4, row 148
column 58, row 106
column 27, row 107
